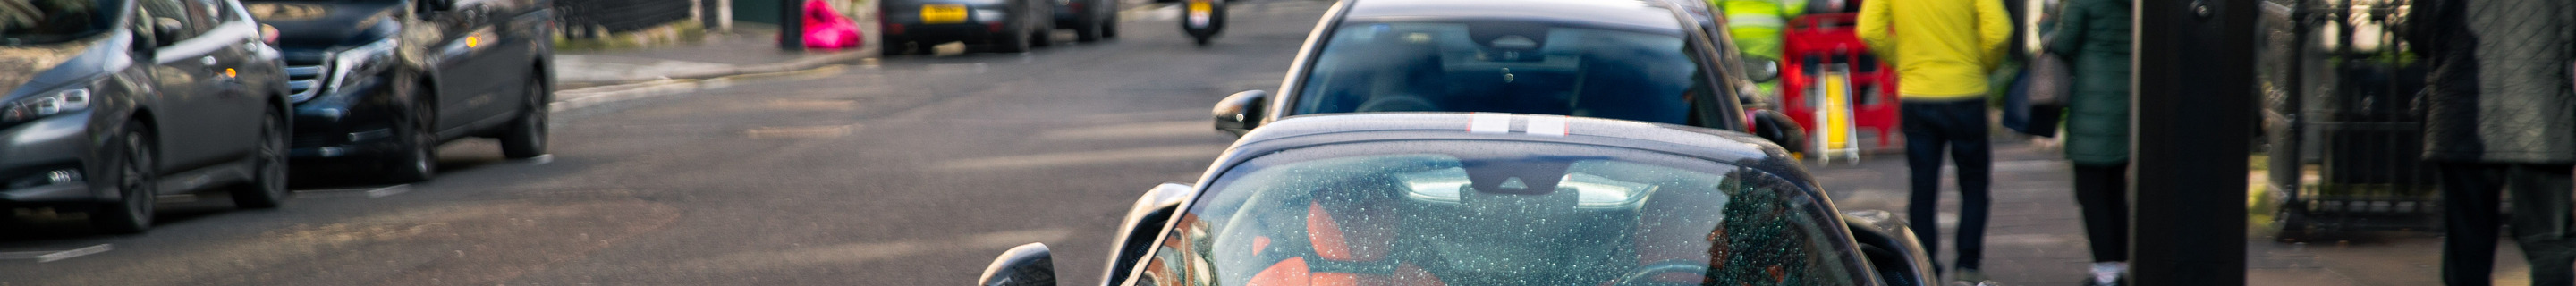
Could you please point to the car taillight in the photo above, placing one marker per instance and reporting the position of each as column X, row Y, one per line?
column 893, row 29
column 995, row 27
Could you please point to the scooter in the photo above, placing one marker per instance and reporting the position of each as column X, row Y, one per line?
column 1202, row 19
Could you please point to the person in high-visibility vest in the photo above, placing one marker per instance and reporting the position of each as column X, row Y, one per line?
column 1756, row 26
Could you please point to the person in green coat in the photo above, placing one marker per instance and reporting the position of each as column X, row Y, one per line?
column 2093, row 37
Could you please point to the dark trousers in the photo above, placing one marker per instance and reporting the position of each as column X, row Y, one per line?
column 2540, row 221
column 2101, row 190
column 1961, row 127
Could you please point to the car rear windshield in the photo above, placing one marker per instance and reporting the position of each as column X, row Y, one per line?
column 49, row 21
column 1498, row 213
column 1504, row 66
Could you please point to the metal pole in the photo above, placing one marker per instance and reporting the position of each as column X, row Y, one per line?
column 2194, row 99
column 791, row 25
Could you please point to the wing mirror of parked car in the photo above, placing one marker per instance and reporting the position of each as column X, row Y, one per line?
column 1761, row 69
column 1144, row 221
column 1025, row 265
column 165, row 31
column 1240, row 112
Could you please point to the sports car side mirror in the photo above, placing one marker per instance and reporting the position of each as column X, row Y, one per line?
column 1890, row 247
column 1240, row 112
column 1144, row 221
column 1026, row 265
column 165, row 31
column 1761, row 69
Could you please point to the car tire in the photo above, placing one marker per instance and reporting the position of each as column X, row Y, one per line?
column 134, row 182
column 1086, row 29
column 415, row 144
column 267, row 186
column 1015, row 41
column 893, row 45
column 1109, row 25
column 527, row 135
column 1043, row 36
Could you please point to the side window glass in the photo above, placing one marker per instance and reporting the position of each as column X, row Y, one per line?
column 171, row 11
column 201, row 15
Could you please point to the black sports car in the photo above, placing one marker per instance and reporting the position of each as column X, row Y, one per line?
column 1642, row 60
column 1495, row 199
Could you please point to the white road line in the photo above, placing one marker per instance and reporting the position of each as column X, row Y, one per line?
column 369, row 193
column 539, row 160
column 51, row 256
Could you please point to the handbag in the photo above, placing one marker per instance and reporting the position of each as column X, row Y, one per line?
column 2051, row 81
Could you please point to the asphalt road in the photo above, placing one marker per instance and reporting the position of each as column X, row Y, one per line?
column 908, row 171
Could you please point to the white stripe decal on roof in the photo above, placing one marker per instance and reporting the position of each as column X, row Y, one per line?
column 1490, row 123
column 1546, row 126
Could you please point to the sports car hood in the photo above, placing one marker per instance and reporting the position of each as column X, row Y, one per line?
column 306, row 25
column 54, row 65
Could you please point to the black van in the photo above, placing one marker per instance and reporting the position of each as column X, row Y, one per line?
column 111, row 103
column 379, row 84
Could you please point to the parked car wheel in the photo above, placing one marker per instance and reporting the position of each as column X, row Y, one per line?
column 1013, row 42
column 1109, row 26
column 896, row 45
column 1087, row 30
column 268, row 188
column 527, row 136
column 417, row 139
column 133, row 181
column 1043, row 37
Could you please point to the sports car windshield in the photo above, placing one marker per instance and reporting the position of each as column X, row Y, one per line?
column 1504, row 66
column 1492, row 213
column 48, row 21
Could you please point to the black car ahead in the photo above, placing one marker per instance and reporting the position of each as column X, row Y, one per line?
column 379, row 84
column 112, row 103
column 1641, row 60
column 1002, row 26
column 1495, row 199
column 1091, row 20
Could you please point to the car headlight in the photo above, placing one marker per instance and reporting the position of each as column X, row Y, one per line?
column 354, row 64
column 45, row 104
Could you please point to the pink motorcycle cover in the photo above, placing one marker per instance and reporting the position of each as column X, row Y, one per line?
column 826, row 29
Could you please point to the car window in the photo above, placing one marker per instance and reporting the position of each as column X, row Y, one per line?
column 174, row 11
column 203, row 14
column 48, row 21
column 1505, row 66
column 1491, row 213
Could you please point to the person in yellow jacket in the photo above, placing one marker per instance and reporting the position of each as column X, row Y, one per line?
column 1756, row 24
column 1942, row 50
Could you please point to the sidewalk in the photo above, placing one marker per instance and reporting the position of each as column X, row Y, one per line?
column 2035, row 236
column 748, row 50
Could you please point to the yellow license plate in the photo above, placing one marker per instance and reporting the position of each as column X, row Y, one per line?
column 943, row 14
column 1198, row 6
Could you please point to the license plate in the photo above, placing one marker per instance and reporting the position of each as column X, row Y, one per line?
column 943, row 14
column 1199, row 11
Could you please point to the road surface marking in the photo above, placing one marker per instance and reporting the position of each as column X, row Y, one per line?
column 368, row 192
column 827, row 131
column 51, row 256
column 1164, row 153
column 1165, row 129
column 859, row 252
column 539, row 160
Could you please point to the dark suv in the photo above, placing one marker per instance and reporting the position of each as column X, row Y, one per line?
column 379, row 84
column 1091, row 20
column 1005, row 26
column 111, row 103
